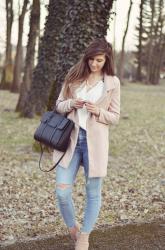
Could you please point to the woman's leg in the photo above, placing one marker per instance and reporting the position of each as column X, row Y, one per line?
column 64, row 183
column 93, row 203
column 93, row 194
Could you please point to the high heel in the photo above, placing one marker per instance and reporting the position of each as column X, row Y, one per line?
column 82, row 242
column 74, row 231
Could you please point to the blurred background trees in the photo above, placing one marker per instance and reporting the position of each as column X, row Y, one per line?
column 18, row 57
column 29, row 60
column 37, row 72
column 151, row 41
column 7, row 72
column 45, row 70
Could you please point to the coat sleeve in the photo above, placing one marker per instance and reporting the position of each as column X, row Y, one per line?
column 63, row 105
column 112, row 115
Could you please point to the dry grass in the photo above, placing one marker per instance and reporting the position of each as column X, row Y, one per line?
column 133, row 190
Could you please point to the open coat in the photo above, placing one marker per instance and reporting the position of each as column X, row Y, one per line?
column 97, row 127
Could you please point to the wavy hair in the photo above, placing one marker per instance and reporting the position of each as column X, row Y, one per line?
column 80, row 71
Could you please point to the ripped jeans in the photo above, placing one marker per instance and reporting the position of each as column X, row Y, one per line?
column 65, row 178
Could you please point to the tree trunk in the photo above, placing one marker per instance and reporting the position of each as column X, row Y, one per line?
column 121, row 60
column 29, row 62
column 75, row 38
column 7, row 74
column 18, row 58
column 44, row 72
column 139, row 53
column 114, row 32
column 158, row 58
column 159, row 48
column 150, row 44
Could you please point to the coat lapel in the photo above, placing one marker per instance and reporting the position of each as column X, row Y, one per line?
column 108, row 86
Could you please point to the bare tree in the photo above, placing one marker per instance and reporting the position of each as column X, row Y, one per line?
column 7, row 74
column 29, row 62
column 153, row 40
column 156, row 43
column 140, row 41
column 114, row 32
column 18, row 62
column 121, row 60
column 150, row 42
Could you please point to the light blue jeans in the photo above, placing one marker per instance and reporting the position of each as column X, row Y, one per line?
column 93, row 187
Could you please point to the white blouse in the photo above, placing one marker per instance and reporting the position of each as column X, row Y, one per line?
column 91, row 95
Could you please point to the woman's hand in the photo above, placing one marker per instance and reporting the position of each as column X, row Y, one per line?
column 92, row 108
column 77, row 103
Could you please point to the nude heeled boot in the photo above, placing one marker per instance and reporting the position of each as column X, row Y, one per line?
column 82, row 242
column 74, row 231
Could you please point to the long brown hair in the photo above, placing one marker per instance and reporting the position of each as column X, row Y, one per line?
column 80, row 71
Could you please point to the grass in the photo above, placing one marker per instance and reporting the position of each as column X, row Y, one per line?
column 144, row 128
column 133, row 190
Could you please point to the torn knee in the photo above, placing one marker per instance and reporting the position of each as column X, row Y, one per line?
column 63, row 186
column 63, row 192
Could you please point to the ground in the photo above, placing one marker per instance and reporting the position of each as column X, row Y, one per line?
column 133, row 190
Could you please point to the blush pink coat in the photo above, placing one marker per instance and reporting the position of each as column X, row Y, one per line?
column 97, row 127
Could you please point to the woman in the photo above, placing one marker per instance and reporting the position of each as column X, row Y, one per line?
column 90, row 96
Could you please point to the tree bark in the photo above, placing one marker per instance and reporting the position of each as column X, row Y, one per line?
column 29, row 61
column 74, row 38
column 18, row 58
column 7, row 74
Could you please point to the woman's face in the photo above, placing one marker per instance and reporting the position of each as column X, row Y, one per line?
column 96, row 63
